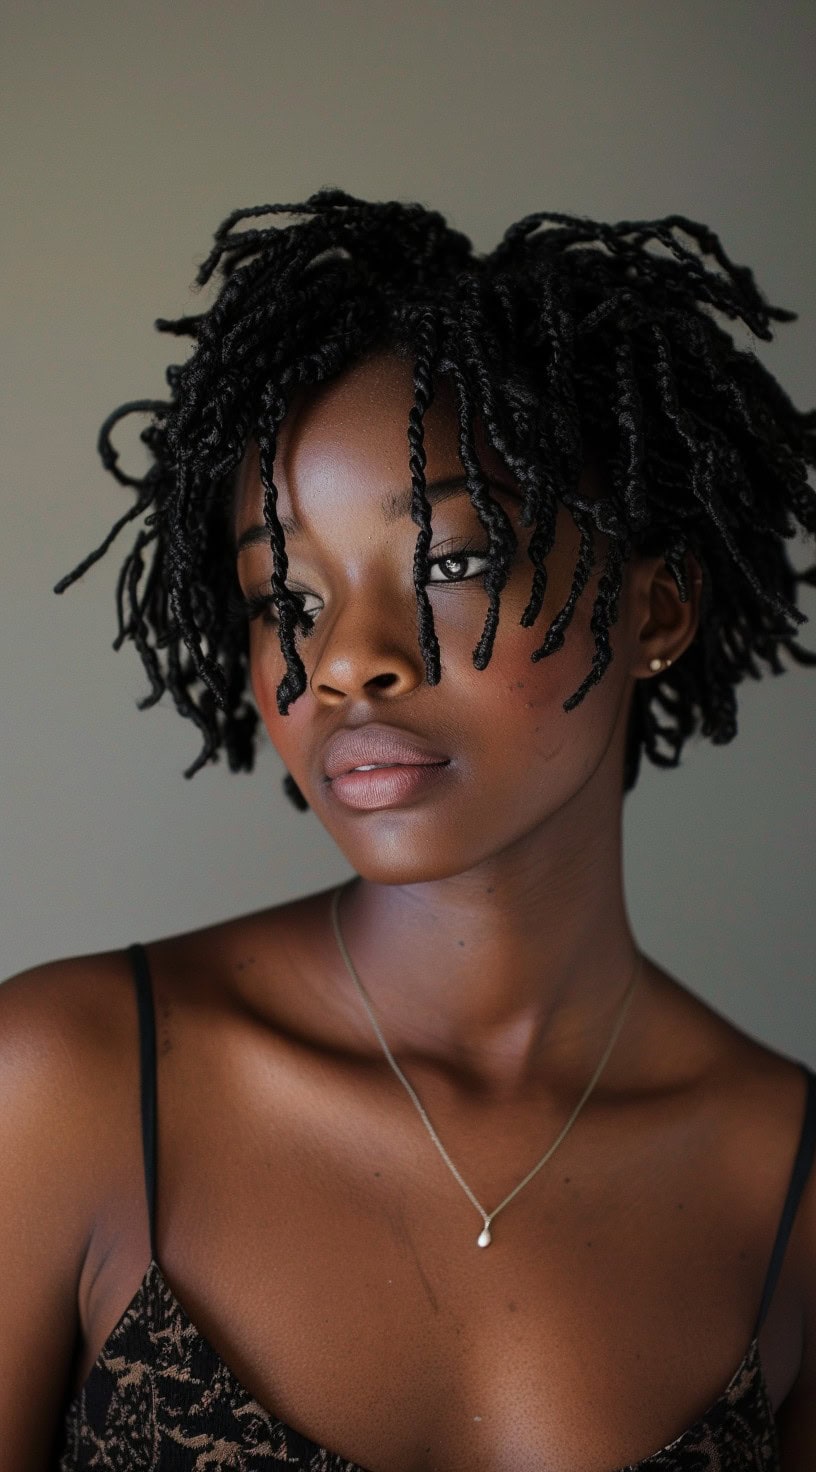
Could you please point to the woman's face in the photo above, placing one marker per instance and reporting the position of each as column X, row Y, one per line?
column 515, row 762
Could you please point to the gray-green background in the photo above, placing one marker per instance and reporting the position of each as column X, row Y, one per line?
column 128, row 132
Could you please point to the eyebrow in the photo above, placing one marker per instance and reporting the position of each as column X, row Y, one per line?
column 393, row 507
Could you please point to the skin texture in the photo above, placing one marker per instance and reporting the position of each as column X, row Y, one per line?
column 520, row 844
column 305, row 1222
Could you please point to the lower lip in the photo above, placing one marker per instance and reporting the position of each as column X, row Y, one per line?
column 385, row 787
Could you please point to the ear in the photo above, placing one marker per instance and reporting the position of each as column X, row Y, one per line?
column 662, row 625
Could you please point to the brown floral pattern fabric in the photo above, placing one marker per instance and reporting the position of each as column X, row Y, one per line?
column 159, row 1399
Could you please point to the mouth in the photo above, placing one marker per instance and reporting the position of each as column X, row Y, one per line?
column 376, row 746
column 372, row 786
column 380, row 766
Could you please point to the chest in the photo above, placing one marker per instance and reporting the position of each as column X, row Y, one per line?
column 161, row 1388
column 332, row 1265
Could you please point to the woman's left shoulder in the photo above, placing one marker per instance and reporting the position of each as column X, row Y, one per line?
column 778, row 1146
column 747, row 1096
column 748, row 1074
column 764, row 1098
column 752, row 1114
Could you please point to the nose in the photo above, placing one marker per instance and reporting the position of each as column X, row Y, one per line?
column 367, row 652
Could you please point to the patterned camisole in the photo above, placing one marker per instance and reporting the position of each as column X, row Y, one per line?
column 159, row 1397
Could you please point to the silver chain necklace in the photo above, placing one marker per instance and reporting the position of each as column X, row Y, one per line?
column 484, row 1238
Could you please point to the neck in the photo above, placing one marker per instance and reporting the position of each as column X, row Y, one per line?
column 517, row 966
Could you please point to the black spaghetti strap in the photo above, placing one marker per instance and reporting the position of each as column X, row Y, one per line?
column 799, row 1175
column 147, row 1067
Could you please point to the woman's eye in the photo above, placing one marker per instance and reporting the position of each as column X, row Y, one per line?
column 264, row 606
column 457, row 566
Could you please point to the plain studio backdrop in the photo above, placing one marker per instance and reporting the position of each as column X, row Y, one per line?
column 129, row 133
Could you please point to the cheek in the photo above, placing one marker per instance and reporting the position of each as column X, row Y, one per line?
column 513, row 704
column 519, row 704
column 267, row 668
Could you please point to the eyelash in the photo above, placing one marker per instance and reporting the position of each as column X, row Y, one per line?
column 259, row 605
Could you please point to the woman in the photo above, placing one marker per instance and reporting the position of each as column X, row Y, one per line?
column 436, row 1170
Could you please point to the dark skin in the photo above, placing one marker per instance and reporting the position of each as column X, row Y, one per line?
column 489, row 927
column 467, row 883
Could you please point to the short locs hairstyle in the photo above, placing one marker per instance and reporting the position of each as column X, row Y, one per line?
column 570, row 336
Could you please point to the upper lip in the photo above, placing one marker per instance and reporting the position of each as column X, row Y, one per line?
column 376, row 745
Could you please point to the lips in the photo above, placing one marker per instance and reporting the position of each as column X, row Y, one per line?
column 377, row 745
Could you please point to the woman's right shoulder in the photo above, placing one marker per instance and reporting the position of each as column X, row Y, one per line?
column 68, row 1038
column 69, row 973
column 67, row 1030
column 56, row 1010
column 69, row 1060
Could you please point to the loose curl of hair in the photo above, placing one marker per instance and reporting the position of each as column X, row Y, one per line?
column 570, row 333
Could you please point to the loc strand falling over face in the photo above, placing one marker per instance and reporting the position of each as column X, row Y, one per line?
column 571, row 336
column 345, row 507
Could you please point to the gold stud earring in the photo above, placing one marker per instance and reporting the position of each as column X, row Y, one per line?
column 658, row 664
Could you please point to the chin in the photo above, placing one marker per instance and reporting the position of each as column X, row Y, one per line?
column 389, row 854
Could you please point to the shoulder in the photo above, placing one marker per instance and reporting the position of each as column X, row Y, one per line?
column 60, row 1013
column 751, row 1094
column 63, row 1029
column 752, row 1100
column 69, row 1075
column 67, row 1031
column 694, row 1040
column 79, row 1014
column 797, row 1416
column 275, row 963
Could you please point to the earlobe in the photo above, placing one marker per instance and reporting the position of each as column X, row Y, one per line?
column 669, row 624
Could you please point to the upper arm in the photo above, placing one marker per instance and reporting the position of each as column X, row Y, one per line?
column 796, row 1418
column 49, row 1047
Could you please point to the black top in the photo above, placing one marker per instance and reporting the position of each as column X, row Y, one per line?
column 158, row 1395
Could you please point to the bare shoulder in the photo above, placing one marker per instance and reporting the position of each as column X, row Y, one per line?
column 274, row 962
column 69, row 1072
column 62, row 1040
column 67, row 991
column 724, row 1057
column 73, row 1019
column 79, row 1012
column 752, row 1100
column 67, row 1030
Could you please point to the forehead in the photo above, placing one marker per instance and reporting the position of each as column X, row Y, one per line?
column 350, row 436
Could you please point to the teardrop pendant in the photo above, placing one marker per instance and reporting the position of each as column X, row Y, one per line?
column 484, row 1238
